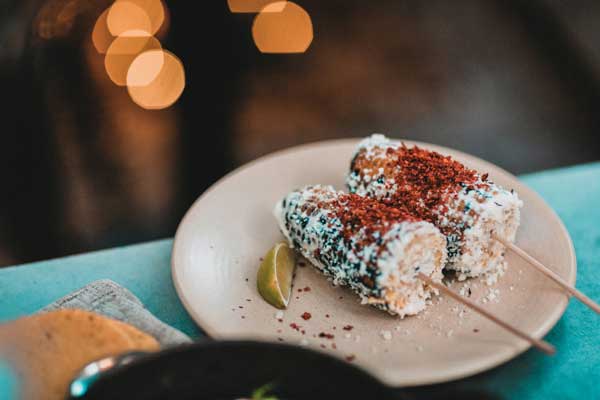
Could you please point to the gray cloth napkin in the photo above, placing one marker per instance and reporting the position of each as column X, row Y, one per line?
column 107, row 298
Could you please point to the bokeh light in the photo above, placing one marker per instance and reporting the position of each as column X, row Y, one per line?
column 126, row 33
column 155, row 10
column 125, row 16
column 287, row 31
column 101, row 36
column 145, row 68
column 254, row 6
column 123, row 50
column 165, row 88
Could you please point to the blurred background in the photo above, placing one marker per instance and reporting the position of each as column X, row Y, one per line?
column 89, row 159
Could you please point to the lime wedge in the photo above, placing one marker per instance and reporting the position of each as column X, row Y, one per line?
column 274, row 279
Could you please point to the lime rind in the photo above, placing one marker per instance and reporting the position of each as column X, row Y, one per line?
column 274, row 278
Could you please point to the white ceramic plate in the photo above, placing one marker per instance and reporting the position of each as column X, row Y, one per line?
column 220, row 242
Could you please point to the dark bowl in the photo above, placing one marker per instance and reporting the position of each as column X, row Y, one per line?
column 233, row 370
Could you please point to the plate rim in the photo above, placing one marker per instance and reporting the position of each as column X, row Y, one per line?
column 452, row 374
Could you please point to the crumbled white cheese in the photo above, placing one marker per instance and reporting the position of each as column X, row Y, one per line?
column 279, row 315
column 386, row 335
column 493, row 294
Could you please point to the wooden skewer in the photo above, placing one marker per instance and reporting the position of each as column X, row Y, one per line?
column 539, row 344
column 549, row 273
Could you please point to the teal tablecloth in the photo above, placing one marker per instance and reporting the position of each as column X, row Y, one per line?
column 574, row 373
